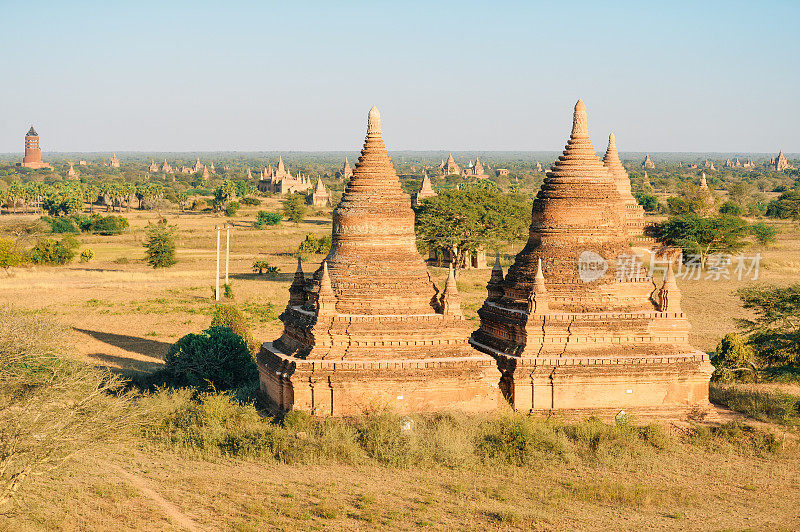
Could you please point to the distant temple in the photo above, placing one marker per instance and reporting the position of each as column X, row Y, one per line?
column 501, row 172
column 346, row 172
column 779, row 163
column 198, row 167
column 709, row 164
column 475, row 170
column 281, row 181
column 166, row 167
column 425, row 190
column 320, row 197
column 72, row 172
column 114, row 162
column 33, row 153
column 648, row 162
column 450, row 167
column 153, row 166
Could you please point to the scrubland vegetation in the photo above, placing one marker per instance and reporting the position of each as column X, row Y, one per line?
column 113, row 414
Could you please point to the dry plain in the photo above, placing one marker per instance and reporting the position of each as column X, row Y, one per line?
column 124, row 315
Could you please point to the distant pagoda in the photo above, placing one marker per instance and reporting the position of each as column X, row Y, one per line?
column 634, row 213
column 320, row 197
column 370, row 329
column 780, row 163
column 576, row 324
column 33, row 152
column 425, row 190
column 648, row 162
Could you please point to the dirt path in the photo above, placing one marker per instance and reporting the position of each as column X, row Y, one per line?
column 172, row 512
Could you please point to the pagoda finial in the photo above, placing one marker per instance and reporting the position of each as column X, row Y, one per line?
column 580, row 126
column 326, row 298
column 494, row 287
column 374, row 122
column 297, row 291
column 669, row 297
column 451, row 301
column 538, row 300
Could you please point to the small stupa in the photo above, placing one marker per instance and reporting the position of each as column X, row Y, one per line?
column 320, row 197
column 634, row 213
column 370, row 329
column 575, row 324
column 425, row 189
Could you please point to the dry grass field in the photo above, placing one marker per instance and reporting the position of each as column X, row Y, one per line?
column 124, row 315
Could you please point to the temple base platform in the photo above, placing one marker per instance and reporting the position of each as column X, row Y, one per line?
column 353, row 387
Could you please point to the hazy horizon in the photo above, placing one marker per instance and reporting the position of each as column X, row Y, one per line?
column 196, row 77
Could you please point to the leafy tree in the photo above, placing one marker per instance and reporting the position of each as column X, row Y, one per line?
column 648, row 202
column 160, row 245
column 87, row 255
column 10, row 256
column 764, row 233
column 731, row 208
column 224, row 193
column 679, row 206
column 786, row 206
column 217, row 357
column 733, row 355
column 701, row 236
column 264, row 218
column 294, row 207
column 774, row 332
column 471, row 217
column 56, row 252
column 232, row 208
column 314, row 244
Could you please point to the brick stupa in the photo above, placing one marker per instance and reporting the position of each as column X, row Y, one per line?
column 576, row 324
column 634, row 213
column 370, row 329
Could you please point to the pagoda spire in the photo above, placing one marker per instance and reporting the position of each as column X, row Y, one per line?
column 297, row 290
column 703, row 182
column 538, row 300
column 669, row 297
column 326, row 298
column 451, row 300
column 494, row 287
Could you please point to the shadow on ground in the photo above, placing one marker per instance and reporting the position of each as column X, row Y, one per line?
column 134, row 344
column 128, row 367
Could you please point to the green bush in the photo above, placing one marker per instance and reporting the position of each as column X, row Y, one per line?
column 217, row 358
column 10, row 256
column 63, row 225
column 251, row 201
column 315, row 244
column 56, row 252
column 261, row 267
column 160, row 245
column 232, row 208
column 228, row 315
column 732, row 208
column 87, row 255
column 764, row 233
column 264, row 218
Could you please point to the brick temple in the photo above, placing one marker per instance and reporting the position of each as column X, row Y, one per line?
column 578, row 323
column 634, row 213
column 370, row 329
column 33, row 152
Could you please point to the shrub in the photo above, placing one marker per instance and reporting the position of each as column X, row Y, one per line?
column 232, row 208
column 87, row 255
column 106, row 225
column 648, row 202
column 251, row 201
column 227, row 291
column 261, row 267
column 315, row 244
column 264, row 218
column 227, row 315
column 10, row 256
column 216, row 358
column 56, row 252
column 63, row 225
column 764, row 233
column 732, row 357
column 160, row 245
column 732, row 208
column 294, row 207
column 770, row 407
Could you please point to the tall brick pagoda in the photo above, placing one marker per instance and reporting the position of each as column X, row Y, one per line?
column 370, row 329
column 33, row 152
column 634, row 213
column 578, row 323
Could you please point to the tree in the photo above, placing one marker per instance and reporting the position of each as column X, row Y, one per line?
column 264, row 218
column 764, row 233
column 10, row 256
column 261, row 267
column 774, row 332
column 224, row 193
column 294, row 207
column 731, row 208
column 160, row 245
column 786, row 206
column 648, row 202
column 472, row 217
column 701, row 236
column 679, row 206
column 732, row 356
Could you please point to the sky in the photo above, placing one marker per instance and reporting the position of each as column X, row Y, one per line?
column 498, row 75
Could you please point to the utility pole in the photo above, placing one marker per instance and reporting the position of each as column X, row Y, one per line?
column 216, row 286
column 227, row 250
